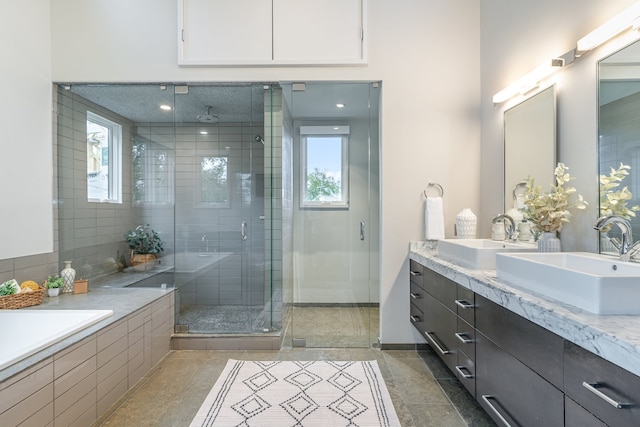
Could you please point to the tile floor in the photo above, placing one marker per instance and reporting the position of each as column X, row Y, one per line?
column 423, row 391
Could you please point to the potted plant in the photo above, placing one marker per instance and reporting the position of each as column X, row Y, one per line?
column 145, row 244
column 550, row 211
column 53, row 285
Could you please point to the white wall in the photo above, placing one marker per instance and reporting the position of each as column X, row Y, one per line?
column 426, row 54
column 26, row 216
column 516, row 38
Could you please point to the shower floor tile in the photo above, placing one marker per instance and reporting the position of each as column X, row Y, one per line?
column 221, row 319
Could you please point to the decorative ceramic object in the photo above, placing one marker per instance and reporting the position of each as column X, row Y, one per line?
column 466, row 222
column 524, row 231
column 549, row 242
column 68, row 274
column 53, row 292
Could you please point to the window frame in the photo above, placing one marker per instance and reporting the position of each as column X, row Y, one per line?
column 115, row 158
column 341, row 131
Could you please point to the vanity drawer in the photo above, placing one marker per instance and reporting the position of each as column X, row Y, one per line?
column 466, row 337
column 441, row 288
column 416, row 272
column 466, row 372
column 440, row 327
column 583, row 370
column 576, row 416
column 465, row 304
column 536, row 347
column 416, row 295
column 507, row 388
column 416, row 316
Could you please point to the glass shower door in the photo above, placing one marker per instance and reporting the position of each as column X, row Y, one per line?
column 336, row 215
column 220, row 246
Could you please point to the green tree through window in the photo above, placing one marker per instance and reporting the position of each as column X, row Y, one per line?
column 322, row 187
column 214, row 184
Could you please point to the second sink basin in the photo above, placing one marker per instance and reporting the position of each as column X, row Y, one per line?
column 479, row 254
column 597, row 283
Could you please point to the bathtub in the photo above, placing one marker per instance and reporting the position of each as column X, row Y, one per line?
column 193, row 262
column 25, row 332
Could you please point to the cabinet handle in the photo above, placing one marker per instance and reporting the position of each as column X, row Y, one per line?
column 464, row 304
column 462, row 337
column 486, row 398
column 415, row 318
column 443, row 350
column 415, row 273
column 593, row 388
column 461, row 372
column 415, row 296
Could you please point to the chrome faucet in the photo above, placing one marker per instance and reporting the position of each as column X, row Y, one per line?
column 511, row 231
column 204, row 247
column 626, row 247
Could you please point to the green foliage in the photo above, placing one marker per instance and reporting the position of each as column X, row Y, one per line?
column 613, row 200
column 321, row 186
column 549, row 211
column 9, row 287
column 144, row 240
column 54, row 281
column 214, row 186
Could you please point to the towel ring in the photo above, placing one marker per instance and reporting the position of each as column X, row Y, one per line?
column 521, row 184
column 434, row 184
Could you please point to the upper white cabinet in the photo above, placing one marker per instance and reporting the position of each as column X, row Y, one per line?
column 271, row 32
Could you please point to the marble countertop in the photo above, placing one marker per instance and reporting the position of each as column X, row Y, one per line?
column 122, row 300
column 614, row 337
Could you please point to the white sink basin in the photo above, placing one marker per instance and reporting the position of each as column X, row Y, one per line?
column 597, row 283
column 479, row 254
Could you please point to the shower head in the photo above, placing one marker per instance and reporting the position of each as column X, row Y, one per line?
column 259, row 138
column 207, row 118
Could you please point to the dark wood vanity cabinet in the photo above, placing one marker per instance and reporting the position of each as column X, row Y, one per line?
column 520, row 373
column 519, row 368
column 447, row 321
column 610, row 393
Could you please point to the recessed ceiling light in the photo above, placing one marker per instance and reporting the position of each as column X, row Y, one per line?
column 204, row 132
column 165, row 107
column 340, row 105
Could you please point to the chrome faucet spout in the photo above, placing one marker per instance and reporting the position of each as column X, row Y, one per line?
column 626, row 247
column 511, row 233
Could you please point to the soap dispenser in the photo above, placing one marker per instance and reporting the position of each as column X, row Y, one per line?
column 524, row 231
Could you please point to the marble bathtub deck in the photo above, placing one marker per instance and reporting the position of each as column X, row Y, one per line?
column 423, row 390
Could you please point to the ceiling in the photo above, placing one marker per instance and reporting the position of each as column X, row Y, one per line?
column 140, row 103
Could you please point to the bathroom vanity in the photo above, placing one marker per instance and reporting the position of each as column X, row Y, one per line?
column 526, row 359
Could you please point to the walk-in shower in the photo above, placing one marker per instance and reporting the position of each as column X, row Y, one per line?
column 193, row 171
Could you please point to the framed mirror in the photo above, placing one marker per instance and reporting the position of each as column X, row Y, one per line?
column 619, row 139
column 529, row 143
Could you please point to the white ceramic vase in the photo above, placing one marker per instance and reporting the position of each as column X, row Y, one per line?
column 68, row 275
column 466, row 223
column 549, row 242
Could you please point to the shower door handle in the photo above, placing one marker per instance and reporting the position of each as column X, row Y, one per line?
column 243, row 231
column 361, row 230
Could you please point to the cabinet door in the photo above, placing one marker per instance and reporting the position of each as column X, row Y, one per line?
column 440, row 327
column 606, row 390
column 312, row 31
column 224, row 32
column 416, row 272
column 510, row 392
column 535, row 346
column 441, row 288
column 576, row 416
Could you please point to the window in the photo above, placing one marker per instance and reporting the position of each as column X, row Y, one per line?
column 324, row 166
column 152, row 172
column 104, row 159
column 214, row 182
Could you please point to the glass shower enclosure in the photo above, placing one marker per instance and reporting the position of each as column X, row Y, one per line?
column 200, row 163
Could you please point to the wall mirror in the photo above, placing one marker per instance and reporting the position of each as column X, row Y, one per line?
column 619, row 137
column 529, row 143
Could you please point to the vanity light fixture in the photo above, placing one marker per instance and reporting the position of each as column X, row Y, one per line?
column 529, row 81
column 626, row 19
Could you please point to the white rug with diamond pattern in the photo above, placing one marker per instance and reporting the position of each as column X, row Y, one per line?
column 286, row 393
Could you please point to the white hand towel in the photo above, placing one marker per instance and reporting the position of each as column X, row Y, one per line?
column 434, row 218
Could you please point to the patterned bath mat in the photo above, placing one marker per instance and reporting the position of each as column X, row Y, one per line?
column 286, row 393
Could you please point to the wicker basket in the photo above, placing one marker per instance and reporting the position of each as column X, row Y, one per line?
column 23, row 299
